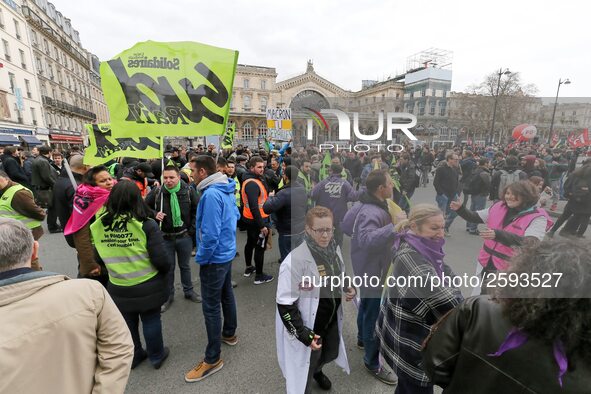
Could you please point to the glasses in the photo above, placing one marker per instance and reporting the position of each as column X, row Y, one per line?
column 323, row 231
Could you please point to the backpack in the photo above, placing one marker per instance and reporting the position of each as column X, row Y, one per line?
column 507, row 178
column 580, row 190
column 474, row 183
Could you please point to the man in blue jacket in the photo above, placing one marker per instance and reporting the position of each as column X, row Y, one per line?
column 217, row 215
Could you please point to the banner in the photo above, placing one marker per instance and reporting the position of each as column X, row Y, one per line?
column 279, row 123
column 228, row 141
column 580, row 140
column 325, row 167
column 104, row 147
column 169, row 88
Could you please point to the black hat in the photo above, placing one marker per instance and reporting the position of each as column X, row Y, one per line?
column 146, row 168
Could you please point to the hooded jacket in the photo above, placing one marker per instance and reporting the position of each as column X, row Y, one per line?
column 69, row 332
column 290, row 207
column 370, row 227
column 217, row 216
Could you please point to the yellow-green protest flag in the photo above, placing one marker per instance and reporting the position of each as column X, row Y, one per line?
column 228, row 140
column 104, row 147
column 169, row 88
column 325, row 167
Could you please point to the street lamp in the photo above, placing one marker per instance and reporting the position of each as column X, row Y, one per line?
column 500, row 73
column 560, row 82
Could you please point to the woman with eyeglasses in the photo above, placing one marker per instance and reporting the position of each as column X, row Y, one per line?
column 410, row 308
column 309, row 321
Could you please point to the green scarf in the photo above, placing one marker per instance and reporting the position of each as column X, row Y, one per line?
column 175, row 208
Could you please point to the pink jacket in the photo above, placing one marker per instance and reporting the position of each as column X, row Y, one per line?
column 502, row 253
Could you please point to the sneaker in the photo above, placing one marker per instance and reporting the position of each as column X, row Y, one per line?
column 234, row 285
column 249, row 271
column 56, row 230
column 446, row 233
column 230, row 341
column 192, row 296
column 322, row 380
column 138, row 358
column 203, row 370
column 264, row 278
column 193, row 252
column 360, row 344
column 165, row 354
column 384, row 375
column 474, row 232
column 166, row 306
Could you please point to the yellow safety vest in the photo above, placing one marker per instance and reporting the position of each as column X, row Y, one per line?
column 6, row 210
column 123, row 248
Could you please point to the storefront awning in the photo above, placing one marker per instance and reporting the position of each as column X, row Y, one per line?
column 66, row 138
column 8, row 139
column 30, row 140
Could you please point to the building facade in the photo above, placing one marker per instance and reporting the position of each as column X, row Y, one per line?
column 63, row 70
column 99, row 107
column 21, row 112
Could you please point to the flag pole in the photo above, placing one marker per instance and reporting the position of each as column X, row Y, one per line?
column 161, row 177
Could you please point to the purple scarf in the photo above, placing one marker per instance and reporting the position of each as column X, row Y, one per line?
column 516, row 338
column 431, row 249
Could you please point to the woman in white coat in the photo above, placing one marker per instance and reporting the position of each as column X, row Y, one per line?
column 309, row 320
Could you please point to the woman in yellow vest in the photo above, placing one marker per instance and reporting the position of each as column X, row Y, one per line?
column 130, row 244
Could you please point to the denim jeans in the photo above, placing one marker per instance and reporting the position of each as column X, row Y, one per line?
column 477, row 203
column 217, row 293
column 555, row 185
column 367, row 316
column 288, row 242
column 442, row 201
column 152, row 327
column 443, row 204
column 181, row 248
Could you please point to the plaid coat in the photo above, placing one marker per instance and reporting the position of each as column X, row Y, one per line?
column 407, row 313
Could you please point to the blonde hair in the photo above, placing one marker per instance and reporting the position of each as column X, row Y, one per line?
column 418, row 215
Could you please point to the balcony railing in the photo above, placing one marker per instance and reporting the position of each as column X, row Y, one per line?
column 67, row 108
column 36, row 20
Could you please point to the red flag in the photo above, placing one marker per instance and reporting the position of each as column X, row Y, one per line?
column 580, row 140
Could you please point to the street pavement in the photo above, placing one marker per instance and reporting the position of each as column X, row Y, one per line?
column 251, row 366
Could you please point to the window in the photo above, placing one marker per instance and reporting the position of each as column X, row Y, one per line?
column 432, row 108
column 46, row 45
column 247, row 131
column 12, row 81
column 33, row 116
column 263, row 84
column 421, row 108
column 6, row 50
column 28, row 88
column 397, row 95
column 43, row 90
column 262, row 129
column 443, row 132
column 423, row 92
column 574, row 113
column 410, row 108
column 59, row 76
column 247, row 102
column 441, row 108
column 263, row 104
column 1, row 19
column 19, row 115
column 50, row 71
column 383, row 97
column 17, row 30
column 33, row 37
column 23, row 59
column 246, row 83
column 412, row 94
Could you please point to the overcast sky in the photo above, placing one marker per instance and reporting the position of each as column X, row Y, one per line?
column 352, row 40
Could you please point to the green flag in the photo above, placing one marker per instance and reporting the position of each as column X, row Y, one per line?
column 169, row 88
column 228, row 140
column 394, row 174
column 325, row 166
column 104, row 147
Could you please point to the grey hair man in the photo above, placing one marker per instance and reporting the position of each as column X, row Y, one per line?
column 70, row 317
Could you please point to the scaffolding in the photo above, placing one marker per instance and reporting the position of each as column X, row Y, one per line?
column 432, row 57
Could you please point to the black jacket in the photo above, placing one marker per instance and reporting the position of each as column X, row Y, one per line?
column 408, row 177
column 188, row 203
column 457, row 356
column 289, row 204
column 13, row 169
column 43, row 176
column 446, row 181
column 63, row 199
column 152, row 293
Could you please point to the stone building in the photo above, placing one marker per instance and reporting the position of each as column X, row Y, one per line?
column 63, row 70
column 21, row 113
